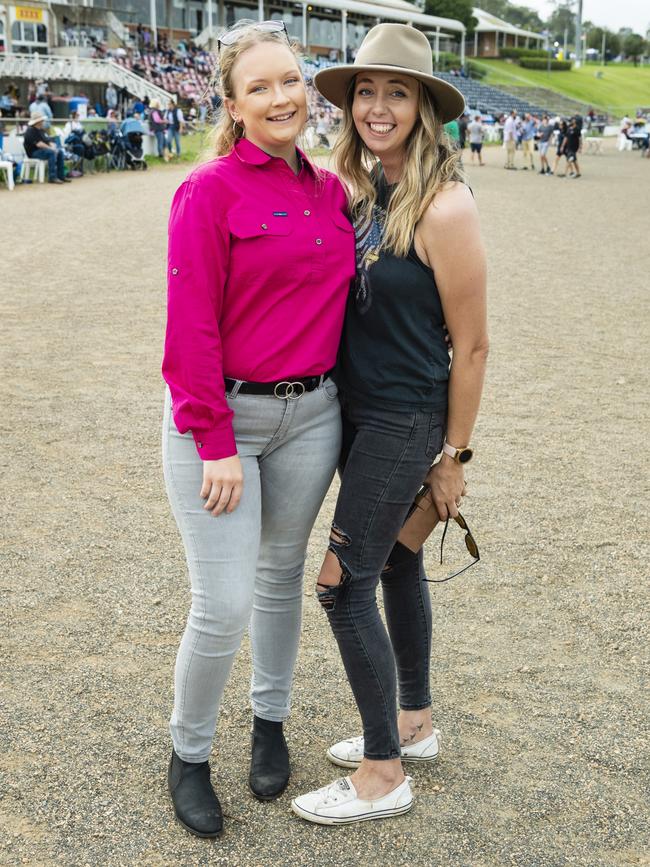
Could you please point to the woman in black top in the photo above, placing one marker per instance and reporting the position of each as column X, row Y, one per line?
column 421, row 267
column 561, row 144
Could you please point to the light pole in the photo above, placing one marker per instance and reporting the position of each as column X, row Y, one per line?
column 579, row 35
column 154, row 24
column 548, row 51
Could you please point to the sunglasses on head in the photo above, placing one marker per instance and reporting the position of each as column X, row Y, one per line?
column 470, row 544
column 231, row 36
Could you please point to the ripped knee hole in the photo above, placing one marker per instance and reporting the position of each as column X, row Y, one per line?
column 338, row 537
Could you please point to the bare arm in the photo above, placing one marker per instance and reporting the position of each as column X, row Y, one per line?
column 450, row 234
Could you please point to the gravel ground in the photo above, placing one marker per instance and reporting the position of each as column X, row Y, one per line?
column 540, row 650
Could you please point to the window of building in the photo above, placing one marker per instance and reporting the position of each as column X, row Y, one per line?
column 29, row 38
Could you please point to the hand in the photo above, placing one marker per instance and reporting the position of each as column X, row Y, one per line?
column 223, row 482
column 447, row 482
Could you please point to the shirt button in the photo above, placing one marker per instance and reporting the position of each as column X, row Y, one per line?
column 174, row 271
column 307, row 213
column 264, row 226
column 319, row 241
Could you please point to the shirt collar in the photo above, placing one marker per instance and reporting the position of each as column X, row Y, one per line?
column 253, row 155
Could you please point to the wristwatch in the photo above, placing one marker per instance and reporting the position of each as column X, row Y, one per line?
column 461, row 456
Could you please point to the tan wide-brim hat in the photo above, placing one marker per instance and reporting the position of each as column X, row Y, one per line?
column 397, row 48
column 36, row 118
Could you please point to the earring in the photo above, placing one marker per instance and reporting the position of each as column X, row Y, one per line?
column 235, row 123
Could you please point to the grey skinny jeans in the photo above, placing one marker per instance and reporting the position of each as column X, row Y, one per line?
column 246, row 568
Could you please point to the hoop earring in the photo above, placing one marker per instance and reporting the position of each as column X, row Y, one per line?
column 235, row 124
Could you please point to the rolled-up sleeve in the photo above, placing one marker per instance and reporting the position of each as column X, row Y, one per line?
column 192, row 367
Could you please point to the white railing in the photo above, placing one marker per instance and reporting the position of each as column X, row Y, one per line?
column 56, row 68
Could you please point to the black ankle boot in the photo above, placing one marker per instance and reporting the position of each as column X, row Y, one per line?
column 195, row 803
column 269, row 774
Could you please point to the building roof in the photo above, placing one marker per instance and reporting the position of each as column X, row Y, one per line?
column 488, row 23
column 391, row 10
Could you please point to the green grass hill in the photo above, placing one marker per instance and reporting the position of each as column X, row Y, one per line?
column 621, row 90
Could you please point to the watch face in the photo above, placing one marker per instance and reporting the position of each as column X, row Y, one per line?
column 465, row 455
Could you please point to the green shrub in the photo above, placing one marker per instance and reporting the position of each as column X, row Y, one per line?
column 535, row 63
column 448, row 60
column 474, row 70
column 516, row 53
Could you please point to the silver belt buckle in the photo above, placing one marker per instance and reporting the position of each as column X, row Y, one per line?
column 291, row 390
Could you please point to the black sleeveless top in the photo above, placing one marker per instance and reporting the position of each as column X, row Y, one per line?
column 393, row 352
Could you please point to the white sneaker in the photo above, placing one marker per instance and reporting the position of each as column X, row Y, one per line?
column 338, row 804
column 348, row 753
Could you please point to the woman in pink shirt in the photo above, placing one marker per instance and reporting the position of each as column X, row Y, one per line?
column 261, row 255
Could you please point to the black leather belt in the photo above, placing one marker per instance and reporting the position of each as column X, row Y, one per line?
column 285, row 389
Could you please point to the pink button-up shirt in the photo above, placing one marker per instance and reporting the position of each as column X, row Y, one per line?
column 259, row 266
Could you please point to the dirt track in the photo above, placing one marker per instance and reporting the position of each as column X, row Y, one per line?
column 541, row 650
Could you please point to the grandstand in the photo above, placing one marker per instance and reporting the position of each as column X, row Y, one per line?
column 489, row 100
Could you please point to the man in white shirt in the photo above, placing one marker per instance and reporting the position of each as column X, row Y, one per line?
column 510, row 139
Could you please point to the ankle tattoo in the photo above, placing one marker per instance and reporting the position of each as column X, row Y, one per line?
column 409, row 740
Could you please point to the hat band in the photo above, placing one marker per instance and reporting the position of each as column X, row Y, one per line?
column 397, row 66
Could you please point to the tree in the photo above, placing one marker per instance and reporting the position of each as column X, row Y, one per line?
column 461, row 10
column 612, row 41
column 634, row 46
column 524, row 17
column 494, row 7
column 520, row 16
column 563, row 18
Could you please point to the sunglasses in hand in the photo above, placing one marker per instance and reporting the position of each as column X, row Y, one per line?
column 470, row 544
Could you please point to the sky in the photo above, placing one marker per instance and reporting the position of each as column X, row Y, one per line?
column 605, row 13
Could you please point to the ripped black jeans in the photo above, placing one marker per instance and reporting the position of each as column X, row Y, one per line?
column 384, row 459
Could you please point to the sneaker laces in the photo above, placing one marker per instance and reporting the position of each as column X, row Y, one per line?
column 332, row 793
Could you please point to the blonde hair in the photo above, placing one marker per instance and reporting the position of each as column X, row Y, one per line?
column 226, row 132
column 430, row 163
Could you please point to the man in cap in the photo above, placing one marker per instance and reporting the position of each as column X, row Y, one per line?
column 39, row 146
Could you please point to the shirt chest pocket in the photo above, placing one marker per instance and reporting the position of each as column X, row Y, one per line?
column 247, row 225
column 341, row 222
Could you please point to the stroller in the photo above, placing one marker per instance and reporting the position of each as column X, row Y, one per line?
column 126, row 151
column 135, row 152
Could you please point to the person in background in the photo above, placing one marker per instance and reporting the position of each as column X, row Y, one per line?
column 132, row 124
column 452, row 130
column 572, row 147
column 322, row 126
column 559, row 150
column 544, row 133
column 175, row 126
column 42, row 107
column 39, row 146
column 73, row 140
column 113, row 119
column 8, row 103
column 476, row 131
column 111, row 97
column 528, row 131
column 510, row 139
column 158, row 126
column 462, row 130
